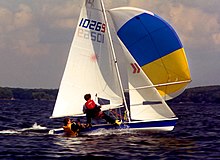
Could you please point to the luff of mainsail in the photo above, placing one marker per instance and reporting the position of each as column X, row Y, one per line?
column 90, row 67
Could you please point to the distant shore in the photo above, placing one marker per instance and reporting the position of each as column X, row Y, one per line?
column 27, row 94
column 205, row 94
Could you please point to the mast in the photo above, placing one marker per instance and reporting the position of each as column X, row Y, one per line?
column 115, row 61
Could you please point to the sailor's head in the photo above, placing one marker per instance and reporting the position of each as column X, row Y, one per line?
column 66, row 121
column 87, row 97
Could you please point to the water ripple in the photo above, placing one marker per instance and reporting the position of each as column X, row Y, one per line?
column 24, row 134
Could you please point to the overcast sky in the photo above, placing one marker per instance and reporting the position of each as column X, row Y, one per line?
column 35, row 36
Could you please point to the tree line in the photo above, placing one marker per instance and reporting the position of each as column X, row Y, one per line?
column 206, row 94
column 27, row 94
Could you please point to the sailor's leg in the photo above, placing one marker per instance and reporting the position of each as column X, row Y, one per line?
column 88, row 118
column 106, row 117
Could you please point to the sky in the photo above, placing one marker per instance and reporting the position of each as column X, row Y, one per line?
column 35, row 37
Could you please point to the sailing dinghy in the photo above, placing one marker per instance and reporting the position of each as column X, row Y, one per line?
column 132, row 67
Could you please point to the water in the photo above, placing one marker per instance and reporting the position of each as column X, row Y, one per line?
column 24, row 127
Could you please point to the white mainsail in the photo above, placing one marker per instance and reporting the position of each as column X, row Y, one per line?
column 90, row 66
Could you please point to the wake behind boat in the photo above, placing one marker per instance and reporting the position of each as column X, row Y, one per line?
column 35, row 129
column 130, row 61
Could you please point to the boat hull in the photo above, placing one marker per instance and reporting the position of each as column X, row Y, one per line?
column 158, row 125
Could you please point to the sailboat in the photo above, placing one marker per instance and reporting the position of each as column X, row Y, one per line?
column 130, row 60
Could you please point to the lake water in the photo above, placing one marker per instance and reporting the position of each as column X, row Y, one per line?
column 24, row 134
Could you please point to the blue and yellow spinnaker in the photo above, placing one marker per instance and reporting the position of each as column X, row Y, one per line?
column 155, row 46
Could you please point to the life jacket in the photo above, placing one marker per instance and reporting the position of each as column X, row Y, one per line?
column 69, row 132
column 90, row 104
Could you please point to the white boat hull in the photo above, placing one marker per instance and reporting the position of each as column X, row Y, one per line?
column 157, row 125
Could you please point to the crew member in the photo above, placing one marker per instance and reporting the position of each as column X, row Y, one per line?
column 71, row 129
column 92, row 110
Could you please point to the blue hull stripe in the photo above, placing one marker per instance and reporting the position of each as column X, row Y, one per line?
column 152, row 38
column 152, row 124
column 136, row 125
